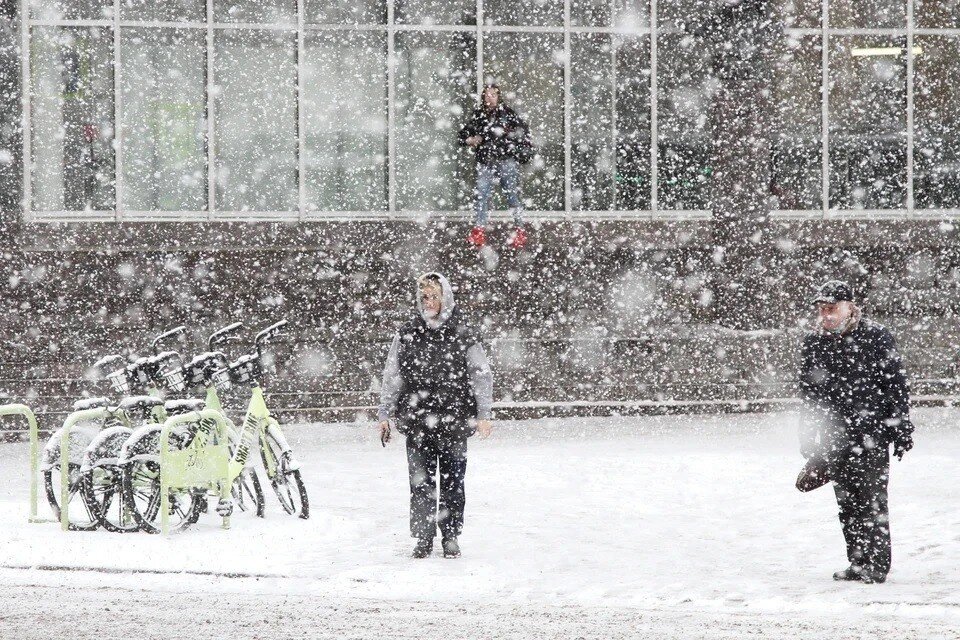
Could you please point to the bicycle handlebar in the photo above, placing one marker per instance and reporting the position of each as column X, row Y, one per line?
column 166, row 334
column 221, row 335
column 269, row 333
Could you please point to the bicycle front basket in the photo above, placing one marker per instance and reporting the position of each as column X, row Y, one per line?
column 221, row 378
column 119, row 381
column 175, row 380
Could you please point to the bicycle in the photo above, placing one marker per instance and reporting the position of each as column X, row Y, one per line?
column 260, row 429
column 93, row 433
column 246, row 489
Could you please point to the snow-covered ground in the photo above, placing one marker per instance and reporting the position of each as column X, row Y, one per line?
column 666, row 527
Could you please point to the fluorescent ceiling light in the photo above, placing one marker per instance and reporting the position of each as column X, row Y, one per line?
column 883, row 51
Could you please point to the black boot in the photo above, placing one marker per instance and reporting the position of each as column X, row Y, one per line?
column 872, row 577
column 853, row 572
column 451, row 549
column 424, row 548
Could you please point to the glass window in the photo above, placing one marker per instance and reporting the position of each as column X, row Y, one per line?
column 346, row 121
column 345, row 11
column 72, row 160
column 937, row 14
column 263, row 11
column 796, row 167
column 256, row 120
column 529, row 69
column 626, row 15
column 435, row 94
column 868, row 14
column 936, row 154
column 610, row 123
column 591, row 121
column 71, row 9
column 683, row 144
column 164, row 10
column 163, row 119
column 632, row 177
column 799, row 13
column 429, row 12
column 868, row 96
column 534, row 13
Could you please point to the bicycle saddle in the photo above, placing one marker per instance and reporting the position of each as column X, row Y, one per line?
column 144, row 403
column 178, row 407
column 90, row 403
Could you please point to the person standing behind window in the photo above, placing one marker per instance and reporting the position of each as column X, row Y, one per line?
column 501, row 141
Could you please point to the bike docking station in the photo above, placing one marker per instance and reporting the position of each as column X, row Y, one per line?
column 25, row 411
column 150, row 457
column 203, row 464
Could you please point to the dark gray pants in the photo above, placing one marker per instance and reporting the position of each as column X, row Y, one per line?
column 428, row 454
column 860, row 483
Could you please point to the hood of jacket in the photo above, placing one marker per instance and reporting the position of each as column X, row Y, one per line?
column 447, row 302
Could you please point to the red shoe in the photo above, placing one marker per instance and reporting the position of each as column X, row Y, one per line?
column 477, row 237
column 517, row 239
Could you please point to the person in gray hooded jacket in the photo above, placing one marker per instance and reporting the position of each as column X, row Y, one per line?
column 437, row 390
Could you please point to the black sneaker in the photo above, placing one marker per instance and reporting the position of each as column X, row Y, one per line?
column 450, row 548
column 851, row 573
column 424, row 548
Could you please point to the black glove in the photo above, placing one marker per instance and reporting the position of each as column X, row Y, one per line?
column 901, row 445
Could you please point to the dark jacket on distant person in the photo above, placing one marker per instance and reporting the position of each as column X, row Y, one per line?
column 505, row 134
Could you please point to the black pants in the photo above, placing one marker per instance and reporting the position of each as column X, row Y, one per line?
column 426, row 454
column 860, row 482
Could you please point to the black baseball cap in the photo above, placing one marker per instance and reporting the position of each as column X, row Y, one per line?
column 832, row 292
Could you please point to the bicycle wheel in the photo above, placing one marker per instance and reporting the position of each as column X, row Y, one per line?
column 102, row 489
column 287, row 484
column 78, row 513
column 247, row 492
column 141, row 492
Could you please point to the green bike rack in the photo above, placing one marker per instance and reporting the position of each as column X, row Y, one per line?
column 26, row 412
column 202, row 464
column 85, row 415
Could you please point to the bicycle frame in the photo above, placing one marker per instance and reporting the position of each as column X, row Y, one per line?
column 203, row 464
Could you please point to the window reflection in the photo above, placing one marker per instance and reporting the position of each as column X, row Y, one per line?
column 435, row 85
column 346, row 121
column 163, row 117
column 867, row 123
column 72, row 124
column 256, row 121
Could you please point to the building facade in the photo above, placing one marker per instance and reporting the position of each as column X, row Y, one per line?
column 700, row 165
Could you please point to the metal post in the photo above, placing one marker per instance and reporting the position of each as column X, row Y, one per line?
column 567, row 160
column 117, row 108
column 910, row 62
column 211, row 139
column 25, row 92
column 654, row 106
column 825, row 108
column 391, row 99
column 301, row 129
column 24, row 410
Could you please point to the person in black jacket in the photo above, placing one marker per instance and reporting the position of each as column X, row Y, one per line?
column 853, row 383
column 501, row 140
column 438, row 386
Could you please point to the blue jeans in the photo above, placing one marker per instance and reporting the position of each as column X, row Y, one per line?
column 507, row 172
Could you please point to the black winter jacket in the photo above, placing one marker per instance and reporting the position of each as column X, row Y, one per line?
column 504, row 134
column 858, row 383
column 436, row 381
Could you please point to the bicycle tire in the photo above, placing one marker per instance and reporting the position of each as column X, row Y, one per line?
column 287, row 484
column 111, row 498
column 51, row 482
column 141, row 490
column 247, row 485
